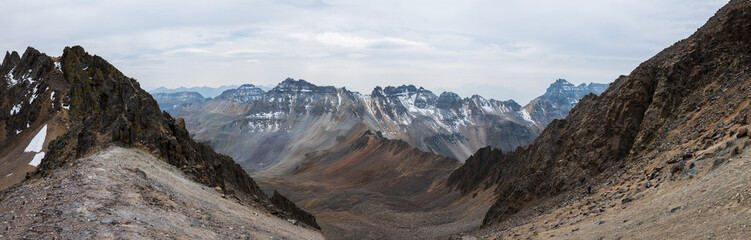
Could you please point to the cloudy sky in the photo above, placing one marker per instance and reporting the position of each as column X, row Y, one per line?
column 501, row 49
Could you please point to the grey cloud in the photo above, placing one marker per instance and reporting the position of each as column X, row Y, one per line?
column 517, row 47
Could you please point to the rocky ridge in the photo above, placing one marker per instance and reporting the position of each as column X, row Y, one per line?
column 101, row 107
column 645, row 128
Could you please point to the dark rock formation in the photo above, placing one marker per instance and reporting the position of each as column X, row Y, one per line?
column 27, row 92
column 107, row 108
column 292, row 211
column 634, row 121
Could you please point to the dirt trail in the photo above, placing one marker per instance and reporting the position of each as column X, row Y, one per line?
column 127, row 193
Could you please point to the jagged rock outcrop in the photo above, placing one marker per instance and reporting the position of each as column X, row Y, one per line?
column 101, row 107
column 674, row 98
column 27, row 95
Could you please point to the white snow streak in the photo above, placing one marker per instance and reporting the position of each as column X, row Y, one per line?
column 37, row 159
column 37, row 143
column 36, row 146
column 15, row 109
column 525, row 115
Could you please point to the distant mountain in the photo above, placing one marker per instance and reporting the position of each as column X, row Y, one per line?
column 208, row 92
column 259, row 128
column 171, row 102
column 247, row 93
column 559, row 99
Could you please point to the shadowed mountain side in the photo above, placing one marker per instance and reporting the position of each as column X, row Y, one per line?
column 664, row 109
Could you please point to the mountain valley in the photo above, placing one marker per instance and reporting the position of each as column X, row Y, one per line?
column 270, row 132
column 660, row 153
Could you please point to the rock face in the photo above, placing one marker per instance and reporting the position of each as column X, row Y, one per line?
column 294, row 212
column 27, row 92
column 261, row 129
column 678, row 98
column 101, row 107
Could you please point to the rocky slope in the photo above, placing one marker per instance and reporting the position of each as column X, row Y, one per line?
column 646, row 128
column 121, row 193
column 91, row 106
column 298, row 117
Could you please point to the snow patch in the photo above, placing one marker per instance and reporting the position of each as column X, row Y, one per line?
column 37, row 159
column 37, row 143
column 57, row 66
column 33, row 95
column 9, row 174
column 15, row 109
column 339, row 102
column 525, row 115
column 36, row 146
column 11, row 79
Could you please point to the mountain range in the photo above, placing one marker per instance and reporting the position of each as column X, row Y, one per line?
column 205, row 91
column 661, row 153
column 276, row 129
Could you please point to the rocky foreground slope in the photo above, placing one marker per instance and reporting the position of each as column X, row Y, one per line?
column 121, row 193
column 80, row 105
column 664, row 122
column 267, row 130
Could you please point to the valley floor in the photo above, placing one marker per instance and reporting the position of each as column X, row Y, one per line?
column 350, row 213
column 127, row 193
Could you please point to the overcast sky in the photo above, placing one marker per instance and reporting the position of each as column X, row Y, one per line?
column 500, row 49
